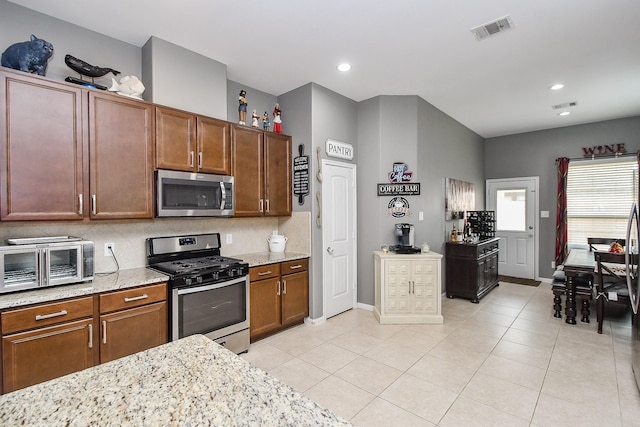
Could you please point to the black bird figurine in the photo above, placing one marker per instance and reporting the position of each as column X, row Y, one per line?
column 86, row 69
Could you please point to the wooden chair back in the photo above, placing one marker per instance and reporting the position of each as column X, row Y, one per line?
column 612, row 280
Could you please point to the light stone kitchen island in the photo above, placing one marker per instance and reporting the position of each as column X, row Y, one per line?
column 189, row 382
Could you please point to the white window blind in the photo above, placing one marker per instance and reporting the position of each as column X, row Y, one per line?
column 599, row 197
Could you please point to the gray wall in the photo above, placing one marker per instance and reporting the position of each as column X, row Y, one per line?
column 410, row 130
column 258, row 100
column 179, row 78
column 18, row 23
column 534, row 154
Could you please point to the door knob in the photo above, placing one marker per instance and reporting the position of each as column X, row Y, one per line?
column 531, row 227
column 330, row 250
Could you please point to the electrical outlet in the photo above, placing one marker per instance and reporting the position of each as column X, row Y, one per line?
column 553, row 264
column 229, row 239
column 108, row 248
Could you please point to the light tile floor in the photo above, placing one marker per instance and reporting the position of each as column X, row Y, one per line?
column 504, row 362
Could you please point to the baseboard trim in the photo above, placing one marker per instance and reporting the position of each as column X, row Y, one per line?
column 315, row 322
column 367, row 307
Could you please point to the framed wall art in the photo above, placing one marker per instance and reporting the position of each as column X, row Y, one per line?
column 460, row 196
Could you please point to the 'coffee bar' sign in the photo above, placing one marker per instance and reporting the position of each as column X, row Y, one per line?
column 338, row 149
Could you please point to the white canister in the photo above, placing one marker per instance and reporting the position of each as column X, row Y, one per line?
column 277, row 242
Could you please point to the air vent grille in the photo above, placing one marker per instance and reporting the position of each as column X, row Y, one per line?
column 565, row 105
column 494, row 27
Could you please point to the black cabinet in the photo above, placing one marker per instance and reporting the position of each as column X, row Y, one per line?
column 471, row 269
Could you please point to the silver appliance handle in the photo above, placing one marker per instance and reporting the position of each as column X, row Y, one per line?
column 185, row 291
column 45, row 267
column 223, row 191
column 632, row 281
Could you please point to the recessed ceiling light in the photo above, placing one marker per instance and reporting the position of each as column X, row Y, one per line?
column 556, row 86
column 564, row 113
column 344, row 67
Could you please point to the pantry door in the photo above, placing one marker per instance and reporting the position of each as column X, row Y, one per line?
column 338, row 237
column 515, row 202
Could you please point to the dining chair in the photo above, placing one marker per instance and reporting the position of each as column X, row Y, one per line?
column 612, row 281
column 603, row 243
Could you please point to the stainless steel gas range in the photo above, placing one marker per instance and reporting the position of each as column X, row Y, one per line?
column 209, row 293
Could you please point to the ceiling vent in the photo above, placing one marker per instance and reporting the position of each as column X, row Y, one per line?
column 565, row 105
column 494, row 27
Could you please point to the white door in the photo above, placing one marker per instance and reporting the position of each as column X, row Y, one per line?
column 515, row 202
column 338, row 237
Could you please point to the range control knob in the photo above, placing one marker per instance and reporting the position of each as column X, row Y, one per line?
column 187, row 281
column 231, row 272
column 199, row 279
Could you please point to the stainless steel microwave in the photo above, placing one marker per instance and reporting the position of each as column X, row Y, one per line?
column 39, row 262
column 193, row 194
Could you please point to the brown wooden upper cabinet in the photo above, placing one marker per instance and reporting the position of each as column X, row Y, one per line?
column 67, row 153
column 192, row 143
column 261, row 165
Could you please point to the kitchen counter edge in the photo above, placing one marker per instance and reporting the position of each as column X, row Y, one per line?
column 263, row 258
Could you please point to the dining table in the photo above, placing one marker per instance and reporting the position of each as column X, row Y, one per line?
column 579, row 266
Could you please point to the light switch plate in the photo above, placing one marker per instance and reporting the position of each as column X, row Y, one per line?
column 229, row 239
column 544, row 214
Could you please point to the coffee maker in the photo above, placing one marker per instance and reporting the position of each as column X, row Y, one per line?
column 404, row 239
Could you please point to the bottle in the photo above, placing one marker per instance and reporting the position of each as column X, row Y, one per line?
column 454, row 234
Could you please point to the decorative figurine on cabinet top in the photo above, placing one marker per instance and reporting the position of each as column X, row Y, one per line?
column 277, row 119
column 31, row 56
column 265, row 121
column 85, row 69
column 242, row 107
column 254, row 119
column 130, row 86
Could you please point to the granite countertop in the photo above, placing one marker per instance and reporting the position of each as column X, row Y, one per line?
column 121, row 280
column 262, row 258
column 192, row 381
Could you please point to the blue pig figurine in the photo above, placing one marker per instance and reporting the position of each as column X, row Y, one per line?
column 30, row 57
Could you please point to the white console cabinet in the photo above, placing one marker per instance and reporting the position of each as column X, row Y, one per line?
column 408, row 288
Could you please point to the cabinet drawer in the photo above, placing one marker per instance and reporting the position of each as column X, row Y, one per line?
column 46, row 314
column 264, row 272
column 134, row 297
column 295, row 266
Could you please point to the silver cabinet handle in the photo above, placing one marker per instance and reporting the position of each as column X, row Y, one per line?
column 295, row 267
column 90, row 335
column 330, row 250
column 261, row 205
column 49, row 316
column 264, row 273
column 199, row 160
column 191, row 159
column 267, row 204
column 104, row 332
column 278, row 287
column 284, row 287
column 94, row 209
column 143, row 296
column 80, row 204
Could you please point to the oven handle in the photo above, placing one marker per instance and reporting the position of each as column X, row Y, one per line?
column 184, row 291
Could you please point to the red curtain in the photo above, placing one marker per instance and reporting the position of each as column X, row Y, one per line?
column 561, row 211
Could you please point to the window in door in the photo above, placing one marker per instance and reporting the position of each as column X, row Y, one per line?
column 599, row 198
column 511, row 205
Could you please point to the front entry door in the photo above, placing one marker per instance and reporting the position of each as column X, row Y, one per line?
column 338, row 237
column 514, row 201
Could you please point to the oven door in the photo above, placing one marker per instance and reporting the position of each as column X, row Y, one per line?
column 215, row 310
column 20, row 268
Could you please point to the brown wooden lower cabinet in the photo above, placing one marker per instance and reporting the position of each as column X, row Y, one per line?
column 42, row 354
column 278, row 297
column 130, row 331
column 46, row 341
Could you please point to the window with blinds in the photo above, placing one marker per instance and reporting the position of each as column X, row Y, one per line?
column 599, row 197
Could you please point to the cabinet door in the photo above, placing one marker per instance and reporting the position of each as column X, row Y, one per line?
column 41, row 149
column 121, row 140
column 129, row 331
column 264, row 303
column 295, row 297
column 424, row 278
column 214, row 146
column 397, row 287
column 277, row 174
column 247, row 169
column 42, row 354
column 175, row 140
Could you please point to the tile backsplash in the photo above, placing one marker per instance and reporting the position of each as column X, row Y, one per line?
column 249, row 235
